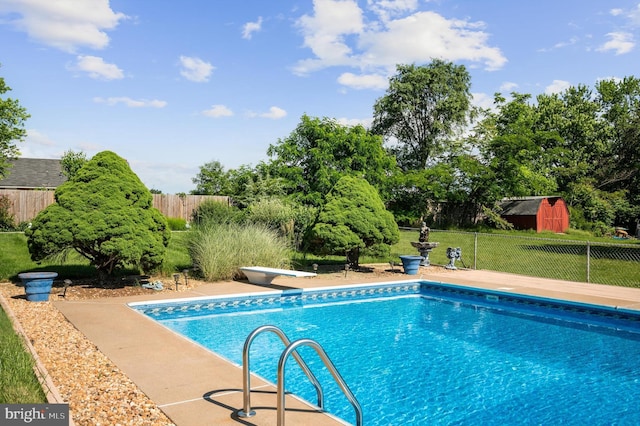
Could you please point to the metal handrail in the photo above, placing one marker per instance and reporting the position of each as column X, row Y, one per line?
column 246, row 370
column 291, row 350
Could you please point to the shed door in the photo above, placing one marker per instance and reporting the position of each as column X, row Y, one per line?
column 552, row 217
column 545, row 216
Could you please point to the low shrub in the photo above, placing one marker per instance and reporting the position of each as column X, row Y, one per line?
column 177, row 224
column 219, row 250
column 211, row 211
column 7, row 221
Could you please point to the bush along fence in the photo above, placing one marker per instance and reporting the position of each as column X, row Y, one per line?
column 581, row 261
column 26, row 204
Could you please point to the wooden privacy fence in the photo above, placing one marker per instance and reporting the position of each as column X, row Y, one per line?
column 182, row 206
column 26, row 204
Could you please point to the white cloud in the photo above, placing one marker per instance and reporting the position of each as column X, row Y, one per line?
column 218, row 111
column 483, row 100
column 37, row 138
column 274, row 113
column 251, row 27
column 363, row 81
column 619, row 42
column 508, row 86
column 338, row 36
column 131, row 103
column 65, row 25
column 634, row 15
column 364, row 122
column 97, row 68
column 325, row 33
column 572, row 41
column 557, row 86
column 195, row 69
column 427, row 35
column 388, row 8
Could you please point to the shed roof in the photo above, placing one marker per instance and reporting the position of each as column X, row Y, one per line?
column 33, row 173
column 523, row 206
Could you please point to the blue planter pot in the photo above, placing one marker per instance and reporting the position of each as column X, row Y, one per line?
column 411, row 264
column 37, row 285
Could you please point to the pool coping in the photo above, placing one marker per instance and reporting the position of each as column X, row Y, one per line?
column 200, row 388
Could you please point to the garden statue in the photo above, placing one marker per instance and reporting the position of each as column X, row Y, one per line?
column 424, row 233
column 423, row 245
column 453, row 254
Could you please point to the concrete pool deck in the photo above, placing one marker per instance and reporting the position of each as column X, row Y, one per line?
column 200, row 388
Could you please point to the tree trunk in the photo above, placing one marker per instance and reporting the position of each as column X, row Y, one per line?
column 352, row 258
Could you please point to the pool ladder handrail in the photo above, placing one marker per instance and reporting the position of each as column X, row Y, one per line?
column 246, row 369
column 291, row 349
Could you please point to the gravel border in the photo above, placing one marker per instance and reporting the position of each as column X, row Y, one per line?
column 74, row 370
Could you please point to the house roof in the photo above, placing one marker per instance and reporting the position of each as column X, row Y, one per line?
column 522, row 206
column 33, row 173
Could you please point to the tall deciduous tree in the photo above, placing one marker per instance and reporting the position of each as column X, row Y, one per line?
column 320, row 151
column 105, row 213
column 574, row 115
column 211, row 180
column 620, row 102
column 71, row 162
column 12, row 119
column 353, row 218
column 518, row 154
column 244, row 185
column 422, row 109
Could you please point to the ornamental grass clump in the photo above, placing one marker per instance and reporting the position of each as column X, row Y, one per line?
column 219, row 250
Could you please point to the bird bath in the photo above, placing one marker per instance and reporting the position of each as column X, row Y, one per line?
column 423, row 245
column 424, row 248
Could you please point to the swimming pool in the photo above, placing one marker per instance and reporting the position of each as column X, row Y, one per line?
column 424, row 353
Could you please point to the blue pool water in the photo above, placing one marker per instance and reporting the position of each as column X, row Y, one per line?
column 436, row 354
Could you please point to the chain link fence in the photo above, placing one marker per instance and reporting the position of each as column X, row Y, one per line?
column 582, row 261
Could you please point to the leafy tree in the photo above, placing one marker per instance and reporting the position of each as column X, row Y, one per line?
column 620, row 102
column 245, row 185
column 574, row 115
column 353, row 218
column 249, row 185
column 320, row 151
column 211, row 180
column 12, row 118
column 105, row 213
column 71, row 162
column 422, row 109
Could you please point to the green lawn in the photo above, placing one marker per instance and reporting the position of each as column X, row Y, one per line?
column 18, row 382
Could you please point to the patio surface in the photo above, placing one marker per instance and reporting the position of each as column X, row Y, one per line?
column 200, row 388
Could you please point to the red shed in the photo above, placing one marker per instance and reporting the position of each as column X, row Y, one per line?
column 540, row 213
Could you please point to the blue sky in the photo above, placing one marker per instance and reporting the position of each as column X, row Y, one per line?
column 171, row 85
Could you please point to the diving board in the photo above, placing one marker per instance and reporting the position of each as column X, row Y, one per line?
column 265, row 275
